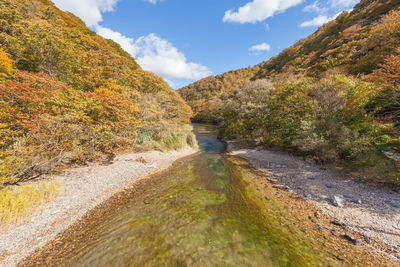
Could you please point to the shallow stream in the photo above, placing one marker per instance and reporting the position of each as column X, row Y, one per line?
column 201, row 212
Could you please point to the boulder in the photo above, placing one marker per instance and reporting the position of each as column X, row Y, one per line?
column 338, row 200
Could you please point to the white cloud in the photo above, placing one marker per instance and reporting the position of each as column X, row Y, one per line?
column 318, row 21
column 90, row 11
column 260, row 47
column 128, row 44
column 157, row 55
column 315, row 7
column 259, row 10
column 151, row 52
column 343, row 3
column 161, row 57
column 153, row 1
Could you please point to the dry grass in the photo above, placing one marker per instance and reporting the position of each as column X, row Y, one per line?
column 165, row 138
column 17, row 202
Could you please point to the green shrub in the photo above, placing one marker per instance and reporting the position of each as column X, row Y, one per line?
column 339, row 128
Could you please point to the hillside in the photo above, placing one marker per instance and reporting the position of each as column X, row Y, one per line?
column 203, row 95
column 356, row 42
column 333, row 96
column 68, row 96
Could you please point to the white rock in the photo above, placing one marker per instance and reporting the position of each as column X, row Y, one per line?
column 338, row 200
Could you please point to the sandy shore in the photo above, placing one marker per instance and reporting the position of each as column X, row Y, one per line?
column 82, row 189
column 372, row 211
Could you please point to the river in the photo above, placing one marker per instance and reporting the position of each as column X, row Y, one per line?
column 200, row 212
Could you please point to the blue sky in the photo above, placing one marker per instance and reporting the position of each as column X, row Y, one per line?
column 186, row 40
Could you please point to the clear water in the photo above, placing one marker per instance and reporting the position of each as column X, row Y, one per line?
column 199, row 213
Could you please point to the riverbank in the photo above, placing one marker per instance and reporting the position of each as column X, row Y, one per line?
column 372, row 211
column 286, row 213
column 82, row 189
column 209, row 209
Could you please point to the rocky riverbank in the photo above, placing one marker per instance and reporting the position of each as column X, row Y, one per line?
column 372, row 211
column 82, row 189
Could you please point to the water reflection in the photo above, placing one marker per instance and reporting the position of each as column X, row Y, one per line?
column 207, row 138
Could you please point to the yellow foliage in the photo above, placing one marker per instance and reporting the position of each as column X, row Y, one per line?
column 76, row 96
column 18, row 202
column 6, row 65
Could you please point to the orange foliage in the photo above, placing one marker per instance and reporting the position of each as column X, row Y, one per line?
column 119, row 113
column 24, row 101
column 73, row 95
column 388, row 75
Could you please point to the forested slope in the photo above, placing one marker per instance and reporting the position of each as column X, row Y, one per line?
column 333, row 95
column 69, row 96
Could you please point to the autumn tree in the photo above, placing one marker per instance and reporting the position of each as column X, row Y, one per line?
column 387, row 80
column 6, row 65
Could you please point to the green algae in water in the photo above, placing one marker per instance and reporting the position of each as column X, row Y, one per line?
column 201, row 213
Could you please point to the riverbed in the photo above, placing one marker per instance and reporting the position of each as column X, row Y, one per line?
column 210, row 209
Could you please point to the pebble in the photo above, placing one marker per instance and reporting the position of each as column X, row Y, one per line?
column 300, row 187
column 287, row 188
column 356, row 200
column 349, row 196
column 351, row 239
column 312, row 177
column 338, row 200
column 262, row 166
column 56, row 211
column 306, row 195
column 329, row 185
column 338, row 223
